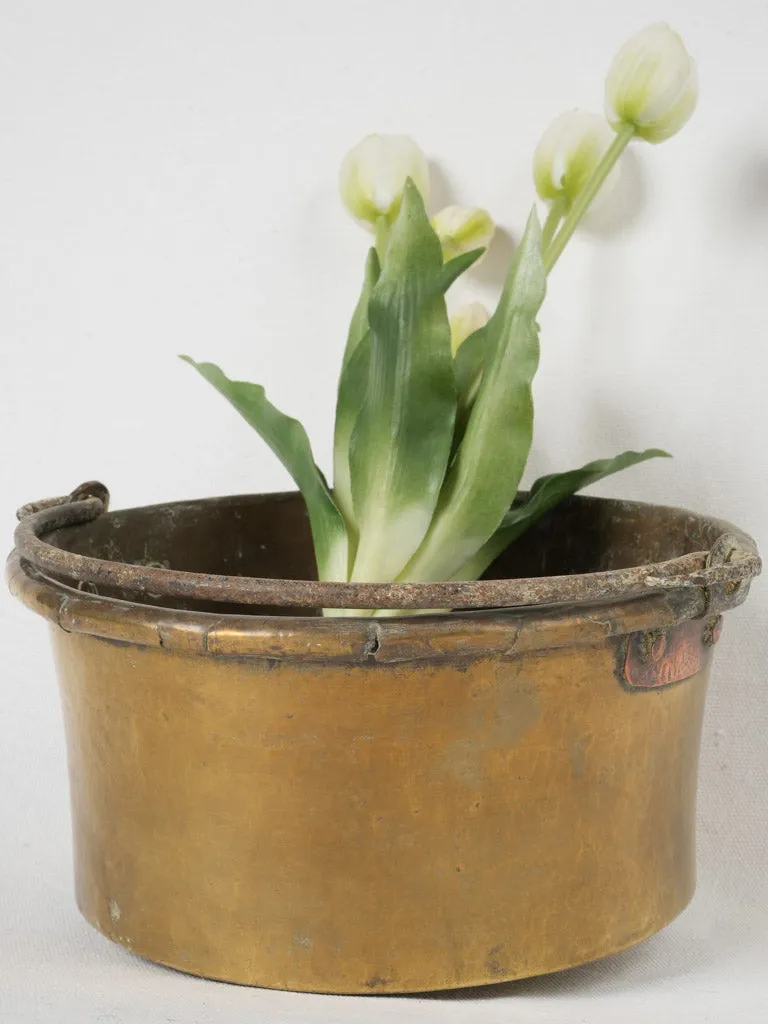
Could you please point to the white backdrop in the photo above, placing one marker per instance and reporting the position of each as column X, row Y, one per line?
column 168, row 184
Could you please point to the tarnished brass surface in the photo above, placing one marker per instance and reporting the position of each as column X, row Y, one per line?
column 356, row 806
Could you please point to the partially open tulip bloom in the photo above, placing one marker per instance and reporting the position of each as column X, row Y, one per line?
column 568, row 153
column 373, row 175
column 466, row 321
column 462, row 229
column 652, row 84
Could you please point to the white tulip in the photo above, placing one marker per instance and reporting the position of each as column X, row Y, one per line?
column 462, row 229
column 466, row 321
column 568, row 153
column 373, row 175
column 652, row 84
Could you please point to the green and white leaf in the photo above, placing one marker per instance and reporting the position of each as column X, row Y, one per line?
column 354, row 378
column 354, row 373
column 489, row 462
column 401, row 439
column 288, row 440
column 545, row 494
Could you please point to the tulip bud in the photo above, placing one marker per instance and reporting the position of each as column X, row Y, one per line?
column 462, row 229
column 652, row 84
column 466, row 321
column 568, row 153
column 373, row 175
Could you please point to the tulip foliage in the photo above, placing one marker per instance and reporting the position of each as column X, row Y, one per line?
column 434, row 416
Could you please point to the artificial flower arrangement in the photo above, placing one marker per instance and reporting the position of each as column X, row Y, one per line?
column 434, row 417
column 360, row 806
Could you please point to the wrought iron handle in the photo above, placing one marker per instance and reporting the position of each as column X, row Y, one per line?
column 91, row 489
column 722, row 574
column 731, row 563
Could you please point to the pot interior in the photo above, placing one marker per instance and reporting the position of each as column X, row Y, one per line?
column 269, row 536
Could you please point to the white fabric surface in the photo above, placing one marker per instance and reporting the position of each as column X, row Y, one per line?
column 168, row 184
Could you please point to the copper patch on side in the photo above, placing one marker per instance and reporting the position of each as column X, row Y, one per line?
column 663, row 657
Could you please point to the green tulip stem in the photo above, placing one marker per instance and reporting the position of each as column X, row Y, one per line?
column 383, row 229
column 551, row 224
column 584, row 199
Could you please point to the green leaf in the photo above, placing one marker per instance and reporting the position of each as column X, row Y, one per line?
column 288, row 440
column 489, row 462
column 358, row 328
column 468, row 370
column 401, row 439
column 546, row 493
column 354, row 377
column 354, row 373
column 454, row 268
column 468, row 362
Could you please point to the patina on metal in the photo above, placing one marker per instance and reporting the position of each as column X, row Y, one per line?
column 271, row 797
column 729, row 565
column 662, row 657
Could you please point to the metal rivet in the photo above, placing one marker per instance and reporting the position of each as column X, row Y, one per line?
column 712, row 631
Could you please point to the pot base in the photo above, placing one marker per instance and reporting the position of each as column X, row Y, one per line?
column 379, row 986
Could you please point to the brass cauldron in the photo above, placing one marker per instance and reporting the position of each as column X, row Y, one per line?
column 357, row 805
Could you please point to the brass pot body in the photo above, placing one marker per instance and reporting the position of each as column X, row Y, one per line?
column 372, row 806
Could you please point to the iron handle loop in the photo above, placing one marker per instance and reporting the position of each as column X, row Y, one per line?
column 90, row 489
